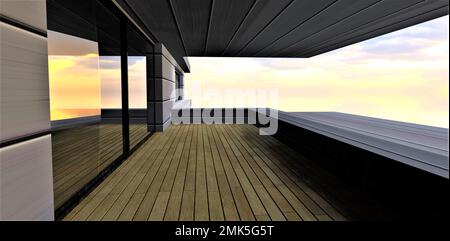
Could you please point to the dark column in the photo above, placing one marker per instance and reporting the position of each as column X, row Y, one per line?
column 124, row 85
column 151, row 92
column 181, row 87
column 162, row 81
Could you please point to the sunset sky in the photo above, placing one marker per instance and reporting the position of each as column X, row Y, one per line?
column 73, row 76
column 82, row 82
column 401, row 76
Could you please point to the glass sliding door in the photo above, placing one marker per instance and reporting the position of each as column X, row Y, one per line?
column 74, row 97
column 138, row 47
column 98, row 92
column 111, row 135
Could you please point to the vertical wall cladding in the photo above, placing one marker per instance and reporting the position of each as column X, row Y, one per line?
column 162, row 79
column 26, row 180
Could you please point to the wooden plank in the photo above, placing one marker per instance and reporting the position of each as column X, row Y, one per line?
column 279, row 192
column 215, row 206
column 244, row 207
column 123, row 190
column 90, row 204
column 130, row 209
column 160, row 153
column 134, row 202
column 152, row 190
column 78, row 154
column 292, row 159
column 297, row 191
column 201, row 192
column 270, row 147
column 187, row 206
column 226, row 196
column 188, row 199
column 81, row 205
column 123, row 198
column 176, row 195
column 240, row 161
column 250, row 182
column 292, row 216
column 126, row 188
column 159, row 208
column 122, row 205
column 263, row 218
column 209, row 172
column 165, row 175
column 173, row 168
column 103, row 207
column 156, row 138
column 211, row 179
column 169, row 178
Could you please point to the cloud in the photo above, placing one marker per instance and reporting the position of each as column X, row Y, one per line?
column 110, row 82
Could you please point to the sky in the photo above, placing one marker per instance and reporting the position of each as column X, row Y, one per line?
column 110, row 82
column 73, row 76
column 400, row 76
column 82, row 82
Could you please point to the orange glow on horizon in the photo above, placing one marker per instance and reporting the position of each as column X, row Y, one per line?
column 82, row 82
column 74, row 86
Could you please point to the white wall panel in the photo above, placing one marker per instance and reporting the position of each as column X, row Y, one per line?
column 168, row 89
column 163, row 68
column 26, row 180
column 30, row 12
column 24, row 83
column 26, row 175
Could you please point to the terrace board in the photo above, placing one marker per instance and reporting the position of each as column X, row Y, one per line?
column 217, row 172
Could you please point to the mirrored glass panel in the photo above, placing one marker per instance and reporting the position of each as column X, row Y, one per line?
column 137, row 85
column 111, row 138
column 75, row 100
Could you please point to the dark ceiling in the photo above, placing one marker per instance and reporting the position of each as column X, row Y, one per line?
column 274, row 28
column 243, row 28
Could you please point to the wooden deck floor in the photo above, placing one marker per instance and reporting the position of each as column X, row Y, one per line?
column 209, row 172
column 80, row 153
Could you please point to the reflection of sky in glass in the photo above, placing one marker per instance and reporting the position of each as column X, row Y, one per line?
column 137, row 78
column 81, row 82
column 110, row 81
column 73, row 77
column 401, row 76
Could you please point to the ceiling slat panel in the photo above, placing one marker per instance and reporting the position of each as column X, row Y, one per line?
column 259, row 17
column 275, row 28
column 297, row 13
column 335, row 13
column 399, row 21
column 157, row 16
column 374, row 12
column 226, row 17
column 193, row 17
